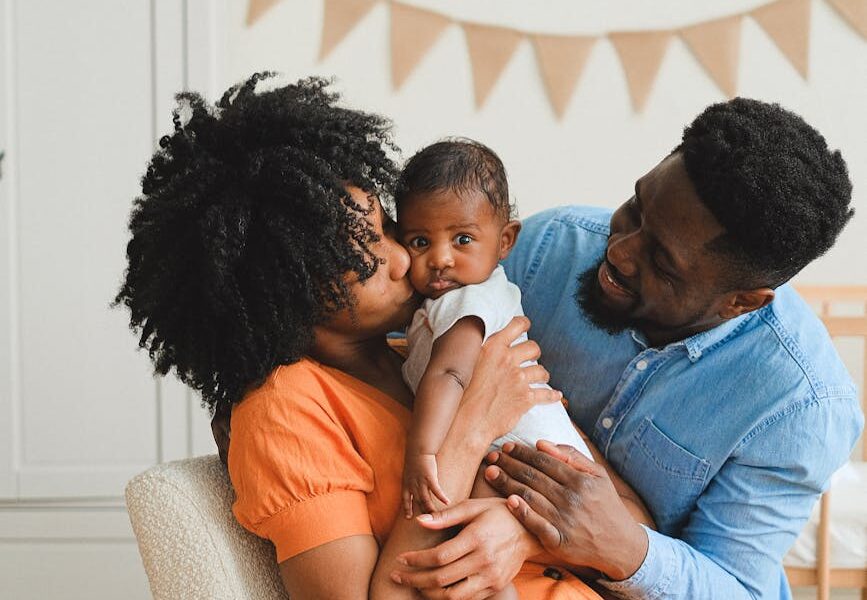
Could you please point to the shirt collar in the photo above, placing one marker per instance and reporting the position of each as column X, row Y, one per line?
column 696, row 345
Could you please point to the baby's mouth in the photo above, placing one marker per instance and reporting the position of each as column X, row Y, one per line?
column 441, row 284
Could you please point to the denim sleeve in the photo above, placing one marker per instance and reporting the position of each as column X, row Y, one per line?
column 750, row 514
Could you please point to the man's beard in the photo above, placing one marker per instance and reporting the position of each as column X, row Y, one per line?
column 589, row 298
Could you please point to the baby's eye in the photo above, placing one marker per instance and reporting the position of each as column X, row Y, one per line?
column 463, row 239
column 418, row 242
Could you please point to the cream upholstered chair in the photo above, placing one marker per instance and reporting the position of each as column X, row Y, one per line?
column 190, row 544
column 831, row 552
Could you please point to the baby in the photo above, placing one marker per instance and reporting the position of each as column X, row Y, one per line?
column 454, row 217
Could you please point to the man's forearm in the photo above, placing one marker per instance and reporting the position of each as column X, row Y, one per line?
column 673, row 570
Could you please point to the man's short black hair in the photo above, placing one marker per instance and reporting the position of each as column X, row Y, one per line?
column 244, row 231
column 459, row 165
column 769, row 178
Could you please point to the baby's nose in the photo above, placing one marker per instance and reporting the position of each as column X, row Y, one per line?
column 440, row 259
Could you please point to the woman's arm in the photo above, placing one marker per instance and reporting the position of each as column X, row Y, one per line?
column 439, row 393
column 310, row 575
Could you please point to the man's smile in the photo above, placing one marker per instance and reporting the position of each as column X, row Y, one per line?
column 611, row 283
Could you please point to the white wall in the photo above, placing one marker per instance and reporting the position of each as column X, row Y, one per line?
column 86, row 91
column 601, row 147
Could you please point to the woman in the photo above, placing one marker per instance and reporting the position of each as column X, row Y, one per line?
column 263, row 270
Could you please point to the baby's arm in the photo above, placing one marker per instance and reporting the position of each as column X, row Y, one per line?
column 453, row 358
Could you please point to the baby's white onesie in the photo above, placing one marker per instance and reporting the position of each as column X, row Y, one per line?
column 495, row 301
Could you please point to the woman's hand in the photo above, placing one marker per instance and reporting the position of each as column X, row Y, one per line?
column 499, row 392
column 479, row 561
column 570, row 504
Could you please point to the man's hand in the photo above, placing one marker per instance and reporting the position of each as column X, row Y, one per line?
column 221, row 427
column 569, row 503
column 479, row 561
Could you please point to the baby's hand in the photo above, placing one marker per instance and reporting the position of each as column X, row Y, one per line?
column 420, row 481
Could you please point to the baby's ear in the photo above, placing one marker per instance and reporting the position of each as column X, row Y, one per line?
column 508, row 237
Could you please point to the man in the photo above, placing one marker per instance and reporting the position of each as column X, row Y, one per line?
column 702, row 378
column 706, row 382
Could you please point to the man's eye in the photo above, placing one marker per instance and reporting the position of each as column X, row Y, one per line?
column 662, row 272
column 418, row 242
column 463, row 239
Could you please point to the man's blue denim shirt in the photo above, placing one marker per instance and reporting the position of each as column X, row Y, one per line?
column 729, row 436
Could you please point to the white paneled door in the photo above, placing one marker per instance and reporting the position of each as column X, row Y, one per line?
column 86, row 90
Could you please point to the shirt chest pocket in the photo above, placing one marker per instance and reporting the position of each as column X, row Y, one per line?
column 668, row 477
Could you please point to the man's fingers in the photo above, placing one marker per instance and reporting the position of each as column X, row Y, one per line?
column 527, row 458
column 570, row 456
column 521, row 461
column 507, row 486
column 453, row 515
column 441, row 555
column 535, row 524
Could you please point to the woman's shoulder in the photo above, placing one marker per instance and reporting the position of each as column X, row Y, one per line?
column 287, row 389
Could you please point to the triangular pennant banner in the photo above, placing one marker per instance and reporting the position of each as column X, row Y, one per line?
column 490, row 50
column 561, row 61
column 641, row 55
column 339, row 19
column 257, row 8
column 854, row 11
column 787, row 22
column 716, row 44
column 413, row 32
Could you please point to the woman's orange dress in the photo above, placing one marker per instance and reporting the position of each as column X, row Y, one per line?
column 317, row 455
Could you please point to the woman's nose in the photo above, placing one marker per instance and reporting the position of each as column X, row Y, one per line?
column 398, row 261
column 622, row 252
column 439, row 258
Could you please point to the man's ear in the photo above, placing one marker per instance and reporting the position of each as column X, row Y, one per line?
column 508, row 237
column 746, row 301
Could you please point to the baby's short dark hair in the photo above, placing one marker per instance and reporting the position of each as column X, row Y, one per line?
column 459, row 165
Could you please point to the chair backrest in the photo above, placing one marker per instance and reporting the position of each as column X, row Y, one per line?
column 189, row 541
column 839, row 325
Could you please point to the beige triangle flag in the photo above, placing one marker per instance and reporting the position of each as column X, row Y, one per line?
column 641, row 54
column 257, row 8
column 413, row 32
column 339, row 19
column 787, row 22
column 854, row 11
column 717, row 44
column 490, row 50
column 561, row 60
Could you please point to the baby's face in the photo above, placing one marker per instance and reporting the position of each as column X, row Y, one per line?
column 452, row 240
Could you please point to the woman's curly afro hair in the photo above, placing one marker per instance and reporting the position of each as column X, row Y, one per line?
column 244, row 231
column 772, row 182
